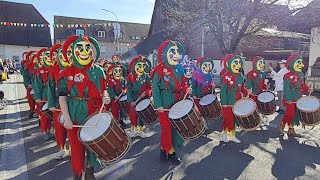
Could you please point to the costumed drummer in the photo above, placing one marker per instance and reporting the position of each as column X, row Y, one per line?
column 81, row 96
column 25, row 71
column 168, row 86
column 232, row 89
column 294, row 87
column 139, row 87
column 53, row 95
column 41, row 89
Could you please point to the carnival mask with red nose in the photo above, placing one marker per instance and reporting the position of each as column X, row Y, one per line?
column 171, row 52
column 117, row 73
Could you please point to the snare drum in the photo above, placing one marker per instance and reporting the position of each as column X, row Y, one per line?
column 107, row 140
column 245, row 112
column 32, row 92
column 125, row 106
column 210, row 106
column 308, row 108
column 146, row 112
column 266, row 103
column 61, row 119
column 186, row 120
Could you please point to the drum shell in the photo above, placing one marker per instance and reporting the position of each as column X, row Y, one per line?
column 149, row 116
column 191, row 126
column 125, row 106
column 267, row 108
column 112, row 145
column 309, row 118
column 250, row 121
column 212, row 110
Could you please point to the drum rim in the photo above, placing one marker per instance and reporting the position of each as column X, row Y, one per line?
column 241, row 116
column 209, row 103
column 45, row 109
column 303, row 97
column 274, row 95
column 184, row 115
column 140, row 102
column 123, row 96
column 99, row 137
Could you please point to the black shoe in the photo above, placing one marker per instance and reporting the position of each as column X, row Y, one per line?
column 163, row 156
column 174, row 158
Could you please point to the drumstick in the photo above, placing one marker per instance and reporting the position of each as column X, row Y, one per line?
column 58, row 110
column 184, row 98
column 168, row 110
column 95, row 125
column 119, row 97
column 137, row 100
column 79, row 126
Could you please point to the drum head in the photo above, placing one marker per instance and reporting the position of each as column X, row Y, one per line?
column 244, row 107
column 32, row 92
column 61, row 119
column 207, row 99
column 266, row 97
column 123, row 98
column 89, row 134
column 45, row 107
column 308, row 103
column 177, row 111
column 142, row 105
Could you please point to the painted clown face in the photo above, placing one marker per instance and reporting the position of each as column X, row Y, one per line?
column 116, row 58
column 117, row 73
column 41, row 58
column 139, row 68
column 174, row 55
column 236, row 65
column 83, row 52
column 35, row 60
column 298, row 65
column 188, row 72
column 46, row 58
column 261, row 64
column 206, row 67
column 64, row 62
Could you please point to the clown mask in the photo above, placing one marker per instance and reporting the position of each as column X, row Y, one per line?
column 188, row 72
column 173, row 55
column 117, row 73
column 83, row 52
column 206, row 67
column 261, row 65
column 139, row 68
column 64, row 62
column 46, row 58
column 116, row 59
column 298, row 65
column 236, row 65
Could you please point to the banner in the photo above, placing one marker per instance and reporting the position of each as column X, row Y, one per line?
column 36, row 25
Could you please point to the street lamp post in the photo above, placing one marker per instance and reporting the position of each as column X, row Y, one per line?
column 119, row 33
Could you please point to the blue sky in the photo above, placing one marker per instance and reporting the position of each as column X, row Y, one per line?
column 139, row 11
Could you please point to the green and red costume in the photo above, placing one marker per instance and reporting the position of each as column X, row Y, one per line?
column 137, row 85
column 25, row 71
column 294, row 87
column 41, row 90
column 232, row 89
column 255, row 79
column 53, row 94
column 83, row 85
column 168, row 86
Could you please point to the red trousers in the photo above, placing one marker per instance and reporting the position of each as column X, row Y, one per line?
column 59, row 131
column 228, row 119
column 133, row 117
column 30, row 100
column 166, row 131
column 45, row 122
column 77, row 151
column 115, row 109
column 289, row 115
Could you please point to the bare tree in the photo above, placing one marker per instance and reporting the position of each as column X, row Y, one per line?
column 226, row 22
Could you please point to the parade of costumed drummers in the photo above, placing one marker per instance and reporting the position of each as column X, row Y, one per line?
column 294, row 88
column 232, row 89
column 41, row 89
column 82, row 94
column 59, row 64
column 169, row 85
column 139, row 87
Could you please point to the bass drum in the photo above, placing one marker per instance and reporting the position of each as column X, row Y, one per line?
column 124, row 105
column 146, row 112
column 210, row 106
column 266, row 103
column 309, row 110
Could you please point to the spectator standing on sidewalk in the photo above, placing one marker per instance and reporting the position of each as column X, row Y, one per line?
column 278, row 78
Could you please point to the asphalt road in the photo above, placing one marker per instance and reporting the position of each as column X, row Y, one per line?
column 262, row 154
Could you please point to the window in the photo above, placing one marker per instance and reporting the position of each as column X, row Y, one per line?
column 101, row 34
column 135, row 37
column 79, row 32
